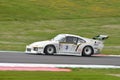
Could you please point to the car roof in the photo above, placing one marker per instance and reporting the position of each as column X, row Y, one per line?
column 84, row 38
column 71, row 35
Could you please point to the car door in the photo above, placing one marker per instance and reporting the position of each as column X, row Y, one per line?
column 68, row 45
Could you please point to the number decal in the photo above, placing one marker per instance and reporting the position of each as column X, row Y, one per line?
column 66, row 47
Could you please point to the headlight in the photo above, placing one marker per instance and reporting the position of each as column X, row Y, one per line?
column 35, row 48
column 28, row 49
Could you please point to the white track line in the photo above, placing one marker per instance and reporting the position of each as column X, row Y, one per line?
column 56, row 65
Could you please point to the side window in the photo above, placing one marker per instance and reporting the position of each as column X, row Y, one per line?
column 81, row 40
column 75, row 40
column 70, row 39
column 63, row 40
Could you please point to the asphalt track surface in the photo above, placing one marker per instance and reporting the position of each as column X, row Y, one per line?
column 16, row 57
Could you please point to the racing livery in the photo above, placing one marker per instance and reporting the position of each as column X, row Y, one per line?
column 68, row 44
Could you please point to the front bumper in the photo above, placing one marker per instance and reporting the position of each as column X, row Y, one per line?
column 34, row 50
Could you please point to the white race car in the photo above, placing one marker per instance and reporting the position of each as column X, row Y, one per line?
column 68, row 44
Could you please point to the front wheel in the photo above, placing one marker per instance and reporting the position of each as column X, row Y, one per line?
column 49, row 50
column 87, row 51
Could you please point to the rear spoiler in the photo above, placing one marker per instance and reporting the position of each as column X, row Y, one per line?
column 101, row 37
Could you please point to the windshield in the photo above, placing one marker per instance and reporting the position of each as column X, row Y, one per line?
column 58, row 38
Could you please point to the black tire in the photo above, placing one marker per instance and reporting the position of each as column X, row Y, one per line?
column 87, row 51
column 49, row 50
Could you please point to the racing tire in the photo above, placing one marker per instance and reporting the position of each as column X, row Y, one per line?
column 49, row 50
column 87, row 51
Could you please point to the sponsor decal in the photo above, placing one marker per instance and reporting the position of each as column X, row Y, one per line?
column 77, row 47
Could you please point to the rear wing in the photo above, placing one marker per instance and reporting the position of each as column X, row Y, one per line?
column 101, row 37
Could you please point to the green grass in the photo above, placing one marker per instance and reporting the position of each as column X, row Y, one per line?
column 25, row 21
column 22, row 10
column 76, row 74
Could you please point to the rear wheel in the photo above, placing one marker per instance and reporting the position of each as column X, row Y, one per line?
column 50, row 50
column 87, row 51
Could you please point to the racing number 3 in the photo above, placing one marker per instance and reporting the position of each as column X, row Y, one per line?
column 66, row 47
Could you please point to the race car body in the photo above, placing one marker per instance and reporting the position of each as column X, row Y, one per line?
column 68, row 44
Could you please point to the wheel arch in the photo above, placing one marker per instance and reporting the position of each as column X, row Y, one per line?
column 87, row 46
column 49, row 45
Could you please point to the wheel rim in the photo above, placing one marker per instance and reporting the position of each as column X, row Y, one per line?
column 50, row 50
column 88, row 50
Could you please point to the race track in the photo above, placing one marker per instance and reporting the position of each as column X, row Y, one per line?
column 16, row 57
